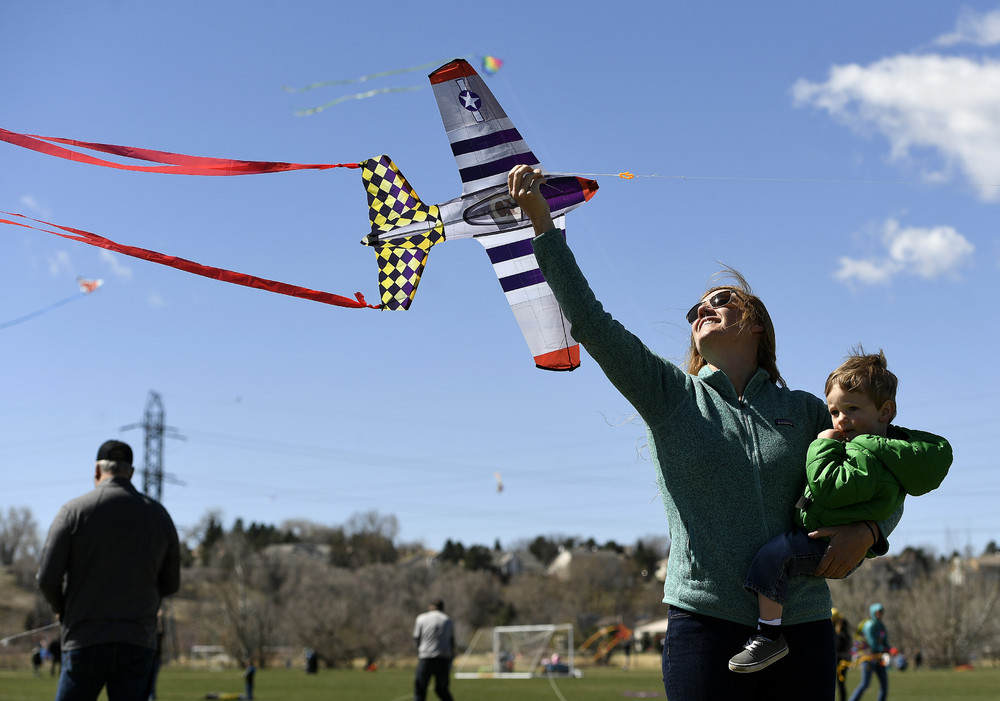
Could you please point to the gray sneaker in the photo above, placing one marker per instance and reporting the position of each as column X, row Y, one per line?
column 758, row 653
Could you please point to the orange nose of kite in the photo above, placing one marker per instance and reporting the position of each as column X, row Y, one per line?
column 589, row 187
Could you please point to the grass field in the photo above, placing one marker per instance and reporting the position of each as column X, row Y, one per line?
column 604, row 684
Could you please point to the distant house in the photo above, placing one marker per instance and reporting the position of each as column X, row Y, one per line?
column 509, row 564
column 560, row 566
column 289, row 551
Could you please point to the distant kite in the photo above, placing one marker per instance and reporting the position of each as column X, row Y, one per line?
column 86, row 287
column 490, row 64
column 496, row 476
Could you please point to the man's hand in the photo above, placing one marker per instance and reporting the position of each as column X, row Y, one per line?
column 848, row 545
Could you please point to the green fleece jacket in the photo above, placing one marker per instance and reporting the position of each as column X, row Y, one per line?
column 729, row 468
column 868, row 478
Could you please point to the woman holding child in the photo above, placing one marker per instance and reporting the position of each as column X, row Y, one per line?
column 729, row 441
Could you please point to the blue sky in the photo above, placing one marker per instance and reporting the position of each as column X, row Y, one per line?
column 845, row 157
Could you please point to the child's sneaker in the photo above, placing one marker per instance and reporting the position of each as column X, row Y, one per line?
column 758, row 653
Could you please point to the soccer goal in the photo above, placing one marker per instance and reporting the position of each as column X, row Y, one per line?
column 519, row 652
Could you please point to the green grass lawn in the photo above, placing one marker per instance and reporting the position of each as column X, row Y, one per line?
column 395, row 684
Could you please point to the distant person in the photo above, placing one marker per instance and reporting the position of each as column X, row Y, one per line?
column 110, row 558
column 877, row 638
column 859, row 471
column 842, row 630
column 248, row 677
column 312, row 661
column 434, row 635
column 36, row 661
column 55, row 654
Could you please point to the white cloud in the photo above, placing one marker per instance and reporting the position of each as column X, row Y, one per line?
column 34, row 206
column 60, row 262
column 116, row 266
column 974, row 28
column 927, row 253
column 155, row 301
column 949, row 105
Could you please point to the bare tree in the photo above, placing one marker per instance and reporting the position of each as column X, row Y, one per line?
column 18, row 535
column 244, row 607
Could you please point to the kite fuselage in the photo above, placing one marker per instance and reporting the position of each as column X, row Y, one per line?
column 492, row 211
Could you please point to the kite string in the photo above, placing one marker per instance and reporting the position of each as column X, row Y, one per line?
column 356, row 96
column 4, row 641
column 39, row 312
column 626, row 175
column 370, row 76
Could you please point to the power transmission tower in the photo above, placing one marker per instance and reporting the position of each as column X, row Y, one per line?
column 152, row 485
column 154, row 431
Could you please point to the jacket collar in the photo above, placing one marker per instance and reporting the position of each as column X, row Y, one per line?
column 720, row 382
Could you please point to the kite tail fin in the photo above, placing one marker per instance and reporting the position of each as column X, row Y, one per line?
column 403, row 231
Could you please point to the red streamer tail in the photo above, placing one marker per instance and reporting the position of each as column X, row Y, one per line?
column 190, row 266
column 174, row 162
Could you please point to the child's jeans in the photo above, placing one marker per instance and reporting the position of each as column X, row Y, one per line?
column 785, row 556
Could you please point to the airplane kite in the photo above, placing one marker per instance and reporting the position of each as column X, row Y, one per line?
column 485, row 144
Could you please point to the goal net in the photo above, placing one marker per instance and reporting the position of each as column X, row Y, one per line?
column 519, row 652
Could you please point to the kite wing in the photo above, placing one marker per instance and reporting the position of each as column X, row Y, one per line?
column 483, row 139
column 403, row 231
column 88, row 286
column 486, row 145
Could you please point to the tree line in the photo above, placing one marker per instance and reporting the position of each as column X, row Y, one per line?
column 351, row 591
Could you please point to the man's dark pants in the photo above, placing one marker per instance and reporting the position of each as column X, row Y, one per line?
column 437, row 667
column 126, row 671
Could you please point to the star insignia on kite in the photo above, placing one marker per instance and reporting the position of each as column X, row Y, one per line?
column 470, row 100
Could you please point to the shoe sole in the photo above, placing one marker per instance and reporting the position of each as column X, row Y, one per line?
column 742, row 669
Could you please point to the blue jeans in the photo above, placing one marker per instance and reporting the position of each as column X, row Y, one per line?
column 437, row 667
column 696, row 656
column 126, row 671
column 784, row 556
column 866, row 678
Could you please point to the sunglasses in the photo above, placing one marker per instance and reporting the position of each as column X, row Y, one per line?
column 719, row 299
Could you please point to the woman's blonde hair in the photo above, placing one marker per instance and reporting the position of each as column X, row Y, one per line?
column 752, row 311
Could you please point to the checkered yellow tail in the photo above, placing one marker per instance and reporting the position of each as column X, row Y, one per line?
column 393, row 205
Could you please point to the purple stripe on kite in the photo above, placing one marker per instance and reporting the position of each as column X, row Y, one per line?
column 480, row 143
column 501, row 165
column 510, row 251
column 563, row 192
column 527, row 279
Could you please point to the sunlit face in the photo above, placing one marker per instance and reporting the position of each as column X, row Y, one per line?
column 717, row 310
column 855, row 413
column 716, row 327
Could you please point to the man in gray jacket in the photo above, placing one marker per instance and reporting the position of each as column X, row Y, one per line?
column 434, row 635
column 110, row 557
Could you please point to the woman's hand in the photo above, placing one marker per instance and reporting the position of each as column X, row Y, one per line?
column 848, row 545
column 523, row 183
column 831, row 433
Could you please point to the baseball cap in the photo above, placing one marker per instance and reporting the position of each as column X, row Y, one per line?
column 115, row 450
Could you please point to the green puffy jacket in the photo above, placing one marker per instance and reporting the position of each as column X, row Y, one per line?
column 868, row 478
